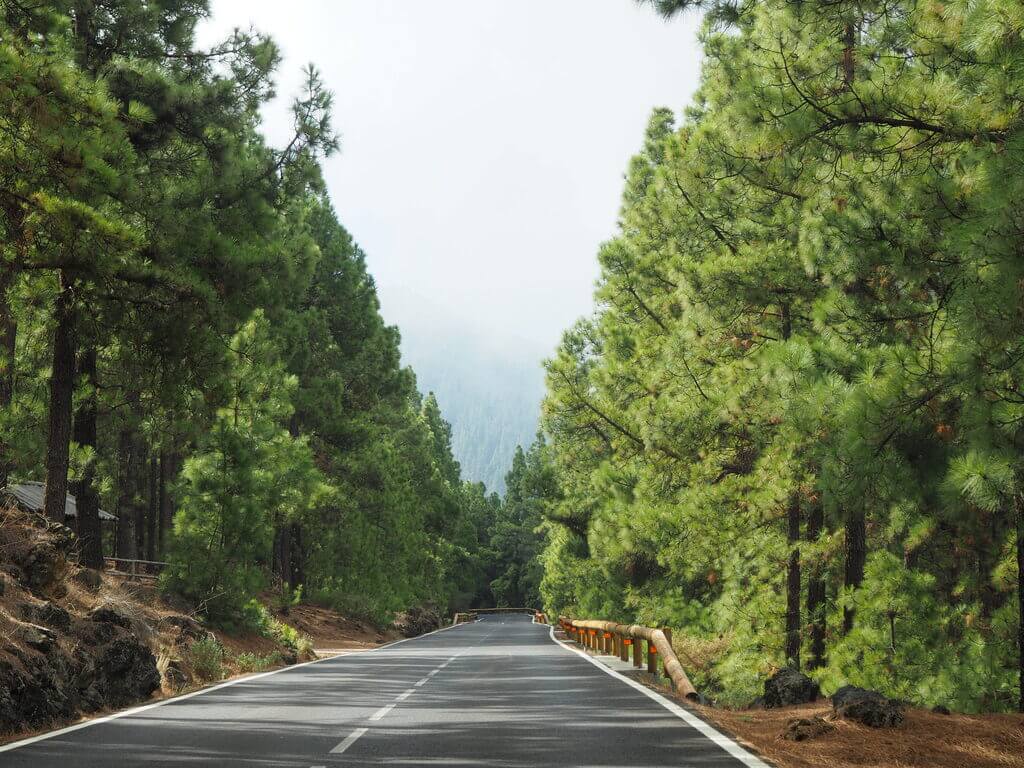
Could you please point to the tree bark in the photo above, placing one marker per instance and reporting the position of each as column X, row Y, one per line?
column 298, row 569
column 856, row 555
column 126, row 495
column 138, row 484
column 1020, row 600
column 8, row 338
column 166, row 507
column 153, row 511
column 89, row 529
column 62, row 386
column 849, row 40
column 793, row 584
column 816, row 590
column 283, row 553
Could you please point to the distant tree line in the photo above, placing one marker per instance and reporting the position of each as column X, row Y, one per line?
column 191, row 340
column 793, row 428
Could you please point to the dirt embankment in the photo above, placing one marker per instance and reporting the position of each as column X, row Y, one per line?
column 333, row 633
column 75, row 642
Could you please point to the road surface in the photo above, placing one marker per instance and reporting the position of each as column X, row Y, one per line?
column 498, row 692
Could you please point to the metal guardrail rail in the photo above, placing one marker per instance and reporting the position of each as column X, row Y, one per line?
column 617, row 639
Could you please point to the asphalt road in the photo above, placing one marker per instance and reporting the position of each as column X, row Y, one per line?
column 499, row 692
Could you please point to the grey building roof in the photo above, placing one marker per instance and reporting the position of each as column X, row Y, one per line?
column 30, row 496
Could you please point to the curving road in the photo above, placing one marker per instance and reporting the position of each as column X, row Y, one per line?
column 499, row 692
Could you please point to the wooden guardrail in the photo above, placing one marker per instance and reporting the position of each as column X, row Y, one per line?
column 141, row 570
column 463, row 617
column 617, row 639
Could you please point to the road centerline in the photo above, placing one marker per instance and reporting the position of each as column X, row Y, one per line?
column 351, row 739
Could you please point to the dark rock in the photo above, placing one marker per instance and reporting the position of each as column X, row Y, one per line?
column 803, row 728
column 417, row 621
column 88, row 578
column 41, row 566
column 3, row 584
column 788, row 687
column 126, row 671
column 48, row 614
column 868, row 707
column 105, row 614
column 289, row 657
column 34, row 636
column 941, row 709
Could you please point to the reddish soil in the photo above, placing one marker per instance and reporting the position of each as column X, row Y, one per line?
column 924, row 740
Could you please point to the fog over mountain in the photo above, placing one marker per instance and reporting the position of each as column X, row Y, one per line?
column 489, row 392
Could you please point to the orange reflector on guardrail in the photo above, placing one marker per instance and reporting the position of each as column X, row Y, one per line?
column 593, row 632
column 607, row 635
column 627, row 641
column 652, row 648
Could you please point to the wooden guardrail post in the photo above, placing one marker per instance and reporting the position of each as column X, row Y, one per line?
column 668, row 636
column 638, row 652
column 652, row 658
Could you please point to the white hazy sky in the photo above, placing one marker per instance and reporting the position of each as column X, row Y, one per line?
column 482, row 143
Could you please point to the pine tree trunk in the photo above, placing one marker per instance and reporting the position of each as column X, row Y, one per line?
column 1020, row 600
column 138, row 483
column 8, row 337
column 283, row 554
column 856, row 555
column 298, row 570
column 90, row 533
column 816, row 590
column 793, row 585
column 849, row 40
column 153, row 511
column 62, row 386
column 125, row 495
column 166, row 508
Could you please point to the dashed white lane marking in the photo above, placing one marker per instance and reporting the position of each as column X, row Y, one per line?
column 349, row 741
column 383, row 711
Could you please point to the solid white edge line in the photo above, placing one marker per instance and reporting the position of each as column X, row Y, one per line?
column 227, row 683
column 349, row 741
column 723, row 741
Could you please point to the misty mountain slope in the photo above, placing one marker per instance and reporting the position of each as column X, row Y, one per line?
column 490, row 395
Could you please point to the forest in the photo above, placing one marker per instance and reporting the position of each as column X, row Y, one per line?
column 190, row 340
column 792, row 428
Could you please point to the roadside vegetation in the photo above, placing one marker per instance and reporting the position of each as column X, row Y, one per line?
column 190, row 339
column 792, row 427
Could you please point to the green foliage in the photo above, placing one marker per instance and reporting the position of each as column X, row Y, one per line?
column 806, row 350
column 246, row 414
column 253, row 662
column 206, row 658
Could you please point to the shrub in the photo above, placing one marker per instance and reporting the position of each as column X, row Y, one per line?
column 206, row 658
column 252, row 662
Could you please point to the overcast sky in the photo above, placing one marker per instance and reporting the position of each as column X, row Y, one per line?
column 482, row 143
